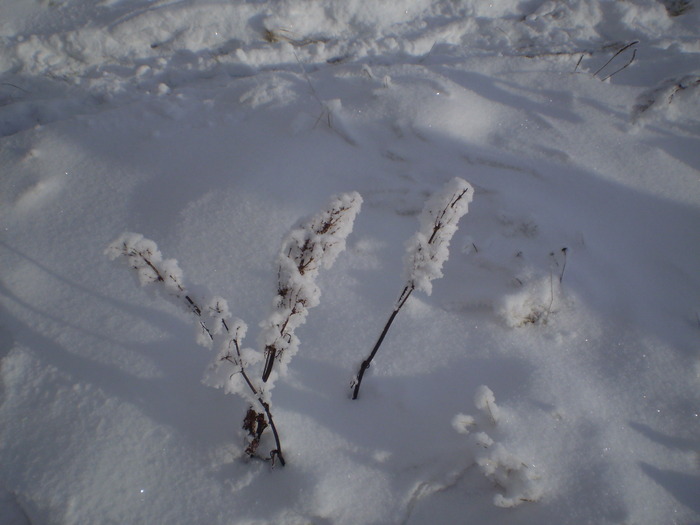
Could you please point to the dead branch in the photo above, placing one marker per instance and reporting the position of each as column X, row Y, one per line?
column 619, row 51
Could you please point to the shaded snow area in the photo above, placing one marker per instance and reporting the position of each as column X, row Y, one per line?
column 546, row 367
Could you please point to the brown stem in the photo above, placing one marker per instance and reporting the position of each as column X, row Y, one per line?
column 271, row 354
column 278, row 451
column 266, row 406
column 150, row 264
column 271, row 350
column 405, row 294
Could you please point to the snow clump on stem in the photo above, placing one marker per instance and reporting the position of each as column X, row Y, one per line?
column 313, row 245
column 214, row 328
column 426, row 252
column 517, row 482
column 429, row 248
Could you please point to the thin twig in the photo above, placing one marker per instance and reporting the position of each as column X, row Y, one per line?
column 430, row 51
column 680, row 87
column 324, row 109
column 14, row 86
column 308, row 80
column 405, row 294
column 551, row 297
column 564, row 251
column 634, row 54
column 624, row 48
column 276, row 36
column 440, row 220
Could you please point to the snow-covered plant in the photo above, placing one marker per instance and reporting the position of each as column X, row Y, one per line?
column 315, row 244
column 306, row 249
column 517, row 481
column 214, row 328
column 662, row 96
column 534, row 302
column 426, row 252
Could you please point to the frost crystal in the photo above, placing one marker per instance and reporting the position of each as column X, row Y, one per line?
column 428, row 249
column 143, row 256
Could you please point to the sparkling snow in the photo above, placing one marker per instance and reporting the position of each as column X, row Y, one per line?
column 568, row 311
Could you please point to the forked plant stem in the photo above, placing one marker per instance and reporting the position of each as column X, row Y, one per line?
column 197, row 310
column 621, row 50
column 266, row 406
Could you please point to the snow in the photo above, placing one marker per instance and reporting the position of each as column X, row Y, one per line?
column 569, row 307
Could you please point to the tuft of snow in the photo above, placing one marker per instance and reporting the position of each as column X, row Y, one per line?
column 462, row 423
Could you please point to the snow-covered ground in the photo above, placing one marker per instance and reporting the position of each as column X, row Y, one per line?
column 552, row 376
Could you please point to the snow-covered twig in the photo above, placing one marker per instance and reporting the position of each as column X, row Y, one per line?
column 517, row 481
column 142, row 256
column 304, row 251
column 426, row 252
column 665, row 92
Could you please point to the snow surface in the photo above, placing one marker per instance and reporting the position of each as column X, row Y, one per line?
column 572, row 290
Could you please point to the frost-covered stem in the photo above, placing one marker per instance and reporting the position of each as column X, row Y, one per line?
column 426, row 252
column 265, row 405
column 142, row 256
column 278, row 451
column 366, row 363
column 306, row 249
column 441, row 216
column 161, row 276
